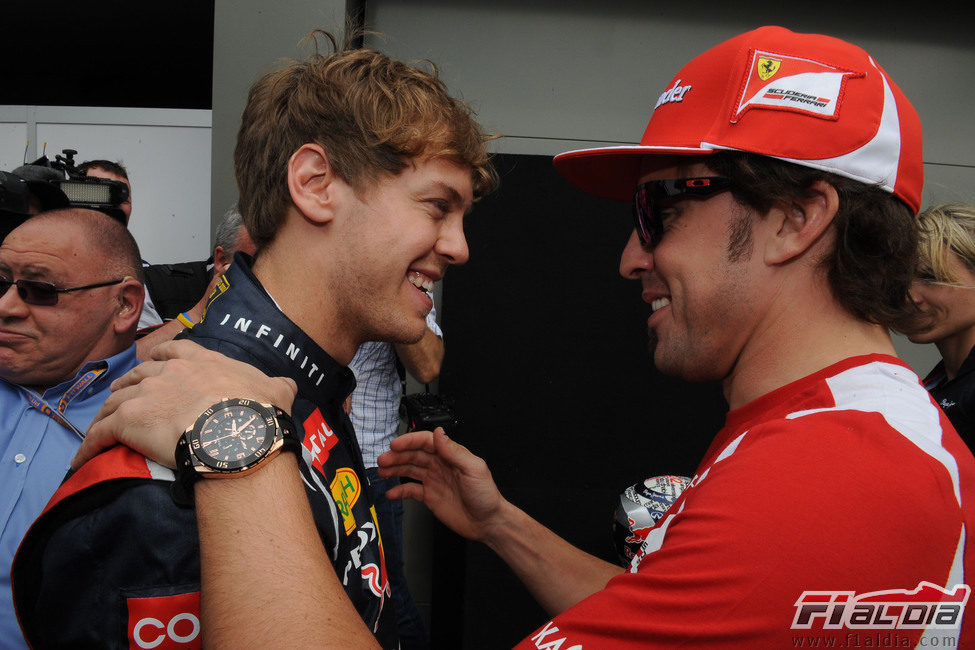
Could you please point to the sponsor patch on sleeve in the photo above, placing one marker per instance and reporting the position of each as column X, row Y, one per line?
column 319, row 439
column 346, row 489
column 787, row 83
column 165, row 622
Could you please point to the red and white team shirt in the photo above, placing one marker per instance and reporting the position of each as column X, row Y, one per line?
column 835, row 507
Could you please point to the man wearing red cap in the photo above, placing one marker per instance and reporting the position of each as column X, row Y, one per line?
column 774, row 191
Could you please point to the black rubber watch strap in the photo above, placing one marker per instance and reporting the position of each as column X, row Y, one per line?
column 186, row 475
column 182, row 488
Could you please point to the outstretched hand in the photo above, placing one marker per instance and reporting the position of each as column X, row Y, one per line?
column 454, row 483
column 152, row 404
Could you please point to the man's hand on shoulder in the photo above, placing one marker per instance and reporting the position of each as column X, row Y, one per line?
column 152, row 404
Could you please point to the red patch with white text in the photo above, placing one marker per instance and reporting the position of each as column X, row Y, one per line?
column 319, row 439
column 165, row 622
column 788, row 83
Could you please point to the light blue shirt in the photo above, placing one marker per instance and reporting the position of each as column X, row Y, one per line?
column 35, row 451
column 375, row 400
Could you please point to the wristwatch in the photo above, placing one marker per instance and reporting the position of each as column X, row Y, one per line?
column 231, row 438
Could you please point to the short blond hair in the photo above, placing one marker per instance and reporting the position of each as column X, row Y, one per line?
column 946, row 228
column 370, row 113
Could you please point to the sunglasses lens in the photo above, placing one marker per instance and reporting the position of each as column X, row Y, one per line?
column 643, row 216
column 37, row 293
column 33, row 292
column 650, row 195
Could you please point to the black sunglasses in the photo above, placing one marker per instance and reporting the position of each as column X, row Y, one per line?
column 35, row 292
column 646, row 213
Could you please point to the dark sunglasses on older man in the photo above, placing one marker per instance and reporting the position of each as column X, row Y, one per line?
column 647, row 212
column 36, row 292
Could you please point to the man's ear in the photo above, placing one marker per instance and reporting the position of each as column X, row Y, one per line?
column 221, row 261
column 130, row 299
column 311, row 182
column 799, row 224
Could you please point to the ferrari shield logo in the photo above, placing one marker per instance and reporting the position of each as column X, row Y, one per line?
column 767, row 68
column 779, row 82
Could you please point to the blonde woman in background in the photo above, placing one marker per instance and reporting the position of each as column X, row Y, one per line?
column 945, row 292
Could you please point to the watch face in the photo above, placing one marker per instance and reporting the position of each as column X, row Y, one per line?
column 233, row 436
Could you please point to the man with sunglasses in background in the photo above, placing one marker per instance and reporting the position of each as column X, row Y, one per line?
column 70, row 298
column 774, row 192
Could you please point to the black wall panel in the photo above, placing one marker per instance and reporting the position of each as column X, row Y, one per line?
column 107, row 53
column 547, row 361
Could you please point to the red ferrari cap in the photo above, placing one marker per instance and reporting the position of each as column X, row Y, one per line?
column 809, row 99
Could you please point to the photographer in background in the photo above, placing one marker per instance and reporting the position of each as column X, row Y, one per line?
column 113, row 171
column 379, row 372
column 102, row 193
column 944, row 290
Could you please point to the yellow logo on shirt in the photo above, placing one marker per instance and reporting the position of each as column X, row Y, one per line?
column 345, row 490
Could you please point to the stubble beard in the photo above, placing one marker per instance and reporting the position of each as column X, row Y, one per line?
column 652, row 341
column 664, row 360
column 396, row 324
column 659, row 356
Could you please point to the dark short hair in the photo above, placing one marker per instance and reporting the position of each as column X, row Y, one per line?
column 873, row 261
column 109, row 166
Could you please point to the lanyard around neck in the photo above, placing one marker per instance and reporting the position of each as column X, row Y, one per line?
column 37, row 402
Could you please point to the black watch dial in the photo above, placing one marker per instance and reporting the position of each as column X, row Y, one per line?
column 233, row 436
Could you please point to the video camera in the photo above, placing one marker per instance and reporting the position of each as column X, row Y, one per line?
column 81, row 191
column 427, row 411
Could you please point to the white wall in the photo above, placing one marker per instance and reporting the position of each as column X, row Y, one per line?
column 166, row 153
column 13, row 138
